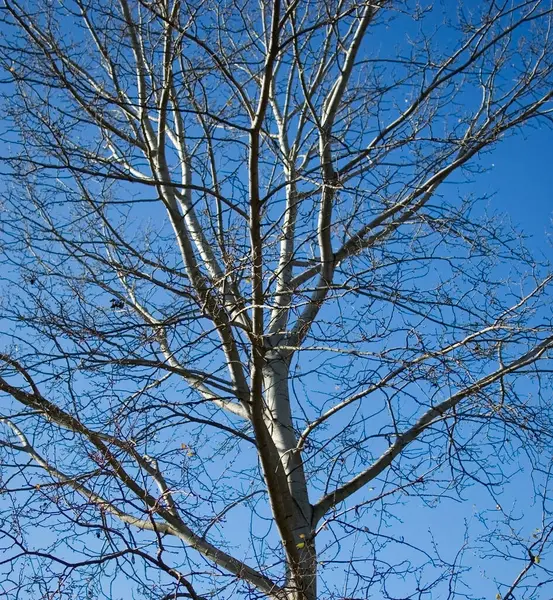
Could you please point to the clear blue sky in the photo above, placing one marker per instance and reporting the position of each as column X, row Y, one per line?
column 520, row 181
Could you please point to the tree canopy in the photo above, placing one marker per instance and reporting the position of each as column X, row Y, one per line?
column 255, row 310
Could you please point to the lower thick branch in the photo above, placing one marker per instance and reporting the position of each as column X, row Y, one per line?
column 437, row 412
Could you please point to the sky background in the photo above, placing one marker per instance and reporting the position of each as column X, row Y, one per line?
column 522, row 179
column 520, row 185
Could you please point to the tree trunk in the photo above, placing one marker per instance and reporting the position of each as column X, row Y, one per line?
column 301, row 578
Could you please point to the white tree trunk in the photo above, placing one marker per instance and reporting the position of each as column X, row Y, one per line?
column 301, row 584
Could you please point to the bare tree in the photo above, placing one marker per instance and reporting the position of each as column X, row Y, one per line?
column 243, row 285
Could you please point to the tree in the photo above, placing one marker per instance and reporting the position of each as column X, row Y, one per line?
column 249, row 308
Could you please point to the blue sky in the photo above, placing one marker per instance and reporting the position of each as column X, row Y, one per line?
column 519, row 181
column 522, row 179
